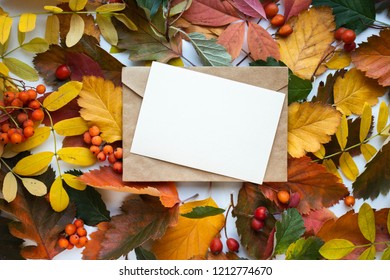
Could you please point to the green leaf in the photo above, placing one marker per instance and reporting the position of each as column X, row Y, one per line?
column 356, row 15
column 305, row 249
column 269, row 62
column 368, row 254
column 288, row 230
column 126, row 21
column 336, row 249
column 36, row 45
column 298, row 89
column 211, row 53
column 21, row 69
column 203, row 212
column 386, row 254
column 366, row 221
column 150, row 6
column 143, row 254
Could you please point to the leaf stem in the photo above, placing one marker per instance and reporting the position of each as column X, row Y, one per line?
column 9, row 168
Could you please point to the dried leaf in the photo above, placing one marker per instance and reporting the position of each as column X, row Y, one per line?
column 368, row 151
column 336, row 249
column 32, row 164
column 107, row 28
column 339, row 60
column 36, row 45
column 190, row 237
column 5, row 28
column 74, row 182
column 76, row 30
column 348, row 166
column 260, row 43
column 63, row 96
column 27, row 22
column 325, row 91
column 126, row 21
column 366, row 222
column 59, row 199
column 386, row 254
column 77, row 5
column 10, row 187
column 309, row 125
column 111, row 7
column 368, row 254
column 77, row 155
column 383, row 117
column 21, row 69
column 232, row 38
column 71, row 127
column 342, row 132
column 53, row 9
column 252, row 8
column 315, row 219
column 305, row 249
column 34, row 186
column 294, row 7
column 9, row 245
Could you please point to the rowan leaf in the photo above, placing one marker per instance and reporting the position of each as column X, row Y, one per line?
column 305, row 249
column 73, row 182
column 252, row 8
column 383, row 117
column 10, row 187
column 101, row 105
column 260, row 43
column 372, row 57
column 365, row 125
column 366, row 221
column 106, row 178
column 190, row 237
column 111, row 7
column 9, row 245
column 368, row 254
column 71, row 127
column 331, row 167
column 5, row 28
column 59, row 199
column 309, row 126
column 342, row 132
column 203, row 212
column 336, row 249
column 178, row 8
column 21, row 69
column 107, row 28
column 27, row 22
column 298, row 89
column 53, row 9
column 4, row 69
column 368, row 151
column 31, row 164
column 348, row 166
column 62, row 96
column 36, row 45
column 34, row 186
column 76, row 30
column 386, row 254
column 77, row 155
column 339, row 60
column 353, row 90
column 77, row 5
column 232, row 38
column 294, row 7
column 305, row 48
column 126, row 21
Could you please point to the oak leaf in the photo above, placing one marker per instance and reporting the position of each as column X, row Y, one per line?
column 232, row 38
column 304, row 49
column 260, row 43
column 294, row 7
column 190, row 237
column 373, row 57
column 309, row 126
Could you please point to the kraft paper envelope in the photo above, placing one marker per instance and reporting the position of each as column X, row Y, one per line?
column 141, row 168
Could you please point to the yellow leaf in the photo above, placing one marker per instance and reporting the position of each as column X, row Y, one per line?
column 348, row 166
column 10, row 187
column 5, row 28
column 52, row 32
column 77, row 155
column 76, row 30
column 321, row 152
column 353, row 90
column 366, row 222
column 32, row 164
column 368, row 254
column 4, row 69
column 63, row 96
column 309, row 126
column 177, row 61
column 41, row 134
column 107, row 28
column 36, row 45
column 101, row 105
column 126, row 21
column 74, row 182
column 40, row 172
column 58, row 197
column 111, row 7
column 21, row 69
column 304, row 49
column 190, row 237
column 342, row 132
column 383, row 117
column 71, row 127
column 339, row 60
column 53, row 9
column 35, row 187
column 335, row 249
column 77, row 5
column 27, row 22
column 331, row 167
column 368, row 151
column 365, row 123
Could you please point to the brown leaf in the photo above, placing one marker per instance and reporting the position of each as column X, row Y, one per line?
column 74, row 141
column 233, row 38
column 94, row 246
column 9, row 244
column 294, row 7
column 208, row 31
column 325, row 93
column 315, row 219
column 260, row 43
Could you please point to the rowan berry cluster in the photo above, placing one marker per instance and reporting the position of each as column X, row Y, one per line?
column 277, row 20
column 216, row 245
column 348, row 37
column 19, row 114
column 74, row 235
column 102, row 150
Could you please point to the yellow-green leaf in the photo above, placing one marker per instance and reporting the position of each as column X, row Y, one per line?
column 53, row 9
column 36, row 45
column 71, row 127
column 77, row 5
column 112, row 7
column 41, row 134
column 366, row 221
column 62, row 96
column 21, row 69
column 321, row 152
column 34, row 186
column 176, row 61
column 74, row 182
column 31, row 164
column 76, row 30
column 348, row 166
column 77, row 155
column 4, row 69
column 179, row 8
column 339, row 60
column 52, row 32
column 342, row 132
column 383, row 117
column 126, row 21
column 368, row 151
column 386, row 254
column 10, row 187
column 107, row 28
column 21, row 37
column 331, row 167
column 5, row 28
column 27, row 22
column 365, row 124
column 368, row 254
column 58, row 197
column 336, row 249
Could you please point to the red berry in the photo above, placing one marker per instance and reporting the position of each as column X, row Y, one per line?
column 118, row 167
column 339, row 32
column 285, row 30
column 232, row 244
column 256, row 224
column 271, row 10
column 216, row 246
column 41, row 89
column 350, row 47
column 349, row 201
column 63, row 72
column 278, row 20
column 348, row 36
column 260, row 213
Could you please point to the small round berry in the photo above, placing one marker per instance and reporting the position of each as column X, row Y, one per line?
column 23, row 96
column 216, row 246
column 74, row 239
column 41, row 89
column 285, row 30
column 82, row 241
column 350, row 47
column 4, row 138
column 63, row 72
column 256, row 224
column 96, row 140
column 111, row 158
column 9, row 96
column 70, row 246
column 118, row 153
column 94, row 131
column 101, row 156
column 87, row 137
column 11, row 131
column 32, row 94
column 22, row 117
column 349, row 201
column 37, row 115
column 278, row 20
column 339, row 32
column 81, row 231
column 283, row 196
column 5, row 127
column 260, row 213
column 70, row 229
column 63, row 242
column 108, row 150
column 16, row 138
column 348, row 36
column 271, row 9
column 34, row 104
column 28, row 131
column 94, row 150
column 17, row 103
column 28, row 123
column 232, row 244
column 78, row 223
column 118, row 167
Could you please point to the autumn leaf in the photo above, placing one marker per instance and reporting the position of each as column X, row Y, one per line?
column 9, row 244
column 305, row 249
column 325, row 93
column 373, row 57
column 101, row 105
column 260, row 43
column 305, row 48
column 5, row 27
column 232, row 38
column 77, row 155
column 59, row 198
column 315, row 219
column 336, row 249
column 27, row 22
column 62, row 96
column 294, row 7
column 309, row 125
column 339, row 60
column 106, row 178
column 32, row 164
column 71, row 127
column 190, row 237
column 252, row 8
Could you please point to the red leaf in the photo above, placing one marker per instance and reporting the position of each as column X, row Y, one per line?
column 294, row 7
column 260, row 43
column 70, row 110
column 106, row 178
column 316, row 219
column 211, row 13
column 74, row 141
column 252, row 8
column 82, row 65
column 232, row 38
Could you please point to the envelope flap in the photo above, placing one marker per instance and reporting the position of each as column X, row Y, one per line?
column 135, row 78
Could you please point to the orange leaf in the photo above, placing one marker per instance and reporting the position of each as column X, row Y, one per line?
column 233, row 38
column 106, row 178
column 316, row 219
column 294, row 7
column 373, row 57
column 260, row 43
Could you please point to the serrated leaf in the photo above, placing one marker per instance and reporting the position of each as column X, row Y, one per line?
column 288, row 230
column 41, row 134
column 52, row 31
column 21, row 69
column 339, row 60
column 59, row 199
column 203, row 212
column 298, row 89
column 368, row 151
column 31, row 164
column 111, row 7
column 76, row 30
column 27, row 22
column 305, row 249
column 143, row 254
column 9, row 244
column 62, row 96
column 5, row 28
column 77, row 5
column 53, row 9
column 126, row 21
column 368, row 254
column 36, row 45
column 383, row 117
column 294, row 7
column 74, row 182
column 348, row 166
column 336, row 249
column 260, row 43
column 107, row 28
column 34, row 186
column 232, row 38
column 71, row 127
column 211, row 53
column 386, row 254
column 77, row 155
column 365, row 124
column 10, row 187
column 366, row 221
column 342, row 132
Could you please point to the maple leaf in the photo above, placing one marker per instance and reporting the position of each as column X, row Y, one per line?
column 294, row 7
column 260, row 43
column 190, row 237
column 232, row 38
column 317, row 187
column 9, row 244
column 143, row 219
column 304, row 49
column 373, row 57
column 316, row 219
column 106, row 178
column 309, row 126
